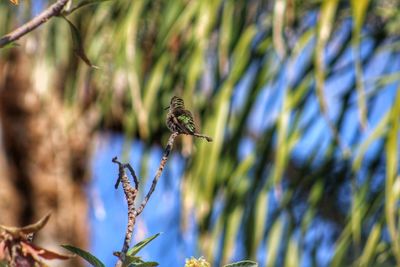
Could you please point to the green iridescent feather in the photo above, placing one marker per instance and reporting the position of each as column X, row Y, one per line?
column 187, row 120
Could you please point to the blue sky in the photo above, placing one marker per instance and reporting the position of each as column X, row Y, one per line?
column 108, row 206
column 160, row 215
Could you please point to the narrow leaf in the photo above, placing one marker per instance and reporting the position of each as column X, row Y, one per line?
column 85, row 3
column 274, row 241
column 392, row 161
column 245, row 263
column 341, row 247
column 146, row 264
column 370, row 248
column 260, row 217
column 10, row 45
column 325, row 24
column 85, row 255
column 136, row 248
column 232, row 229
column 131, row 260
column 359, row 8
column 78, row 44
column 379, row 131
column 283, row 151
column 292, row 254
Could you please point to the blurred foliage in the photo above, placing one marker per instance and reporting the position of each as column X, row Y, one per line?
column 301, row 98
column 17, row 249
column 131, row 260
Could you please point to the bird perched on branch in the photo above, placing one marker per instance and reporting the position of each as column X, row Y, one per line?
column 181, row 120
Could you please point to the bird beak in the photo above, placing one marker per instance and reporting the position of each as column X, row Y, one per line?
column 166, row 108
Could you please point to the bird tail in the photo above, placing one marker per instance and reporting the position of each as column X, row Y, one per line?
column 209, row 139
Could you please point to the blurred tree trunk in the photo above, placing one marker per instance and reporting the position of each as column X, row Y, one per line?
column 45, row 156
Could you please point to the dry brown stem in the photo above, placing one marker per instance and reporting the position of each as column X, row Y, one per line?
column 51, row 11
column 131, row 193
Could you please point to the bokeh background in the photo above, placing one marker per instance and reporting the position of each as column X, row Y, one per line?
column 302, row 99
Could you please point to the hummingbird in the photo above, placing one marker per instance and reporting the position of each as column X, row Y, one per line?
column 181, row 120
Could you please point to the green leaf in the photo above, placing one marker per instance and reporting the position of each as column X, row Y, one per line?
column 131, row 261
column 324, row 30
column 342, row 245
column 282, row 154
column 136, row 248
column 392, row 163
column 379, row 131
column 245, row 263
column 10, row 45
column 3, row 264
column 85, row 3
column 292, row 254
column 370, row 251
column 226, row 38
column 146, row 264
column 359, row 8
column 85, row 255
column 78, row 44
column 154, row 83
column 260, row 217
column 232, row 229
column 274, row 241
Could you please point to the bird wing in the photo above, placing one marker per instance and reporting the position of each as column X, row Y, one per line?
column 185, row 122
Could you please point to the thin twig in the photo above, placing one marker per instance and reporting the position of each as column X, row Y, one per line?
column 130, row 195
column 122, row 167
column 51, row 11
column 130, row 192
column 158, row 173
column 135, row 179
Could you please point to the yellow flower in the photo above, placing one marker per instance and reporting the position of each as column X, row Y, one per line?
column 193, row 262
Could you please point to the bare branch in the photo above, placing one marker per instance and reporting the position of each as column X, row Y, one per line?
column 130, row 195
column 51, row 11
column 159, row 171
column 130, row 192
column 135, row 179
